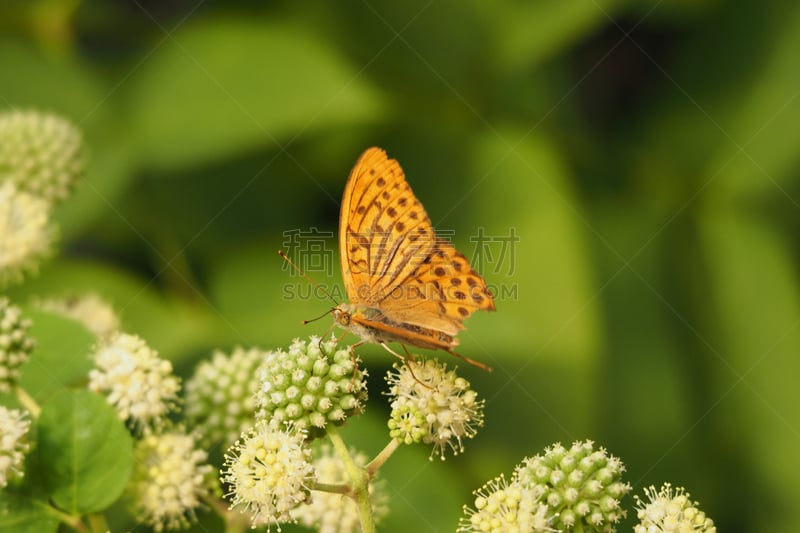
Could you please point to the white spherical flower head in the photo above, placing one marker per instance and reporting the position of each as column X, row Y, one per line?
column 312, row 385
column 91, row 310
column 268, row 472
column 41, row 153
column 15, row 344
column 336, row 513
column 432, row 404
column 138, row 383
column 26, row 235
column 14, row 425
column 168, row 480
column 670, row 511
column 502, row 507
column 220, row 396
column 581, row 486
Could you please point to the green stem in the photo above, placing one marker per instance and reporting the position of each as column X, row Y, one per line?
column 358, row 477
column 97, row 523
column 28, row 402
column 72, row 521
column 382, row 457
column 333, row 488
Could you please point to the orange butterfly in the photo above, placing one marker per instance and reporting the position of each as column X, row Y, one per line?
column 404, row 283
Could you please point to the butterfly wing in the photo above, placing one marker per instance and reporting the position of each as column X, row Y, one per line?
column 383, row 229
column 391, row 258
column 444, row 285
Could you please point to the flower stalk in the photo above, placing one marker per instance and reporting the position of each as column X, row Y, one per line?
column 28, row 402
column 359, row 477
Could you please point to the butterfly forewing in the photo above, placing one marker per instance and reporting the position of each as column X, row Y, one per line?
column 384, row 232
column 393, row 262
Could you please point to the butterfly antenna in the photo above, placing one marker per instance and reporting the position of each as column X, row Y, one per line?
column 326, row 313
column 308, row 278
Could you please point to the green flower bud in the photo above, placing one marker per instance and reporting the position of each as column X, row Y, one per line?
column 220, row 396
column 15, row 344
column 580, row 485
column 41, row 153
column 310, row 387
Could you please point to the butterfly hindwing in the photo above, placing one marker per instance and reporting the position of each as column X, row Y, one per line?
column 445, row 286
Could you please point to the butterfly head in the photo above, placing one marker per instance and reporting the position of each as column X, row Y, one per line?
column 341, row 314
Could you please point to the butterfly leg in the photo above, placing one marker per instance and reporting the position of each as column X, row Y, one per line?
column 408, row 360
column 322, row 339
column 473, row 362
column 355, row 362
column 408, row 356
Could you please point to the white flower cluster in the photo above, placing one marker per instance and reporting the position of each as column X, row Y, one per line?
column 670, row 511
column 14, row 425
column 91, row 310
column 503, row 507
column 433, row 405
column 563, row 489
column 168, row 480
column 268, row 472
column 26, row 235
column 138, row 383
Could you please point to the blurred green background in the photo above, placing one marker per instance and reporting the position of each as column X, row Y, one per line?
column 645, row 154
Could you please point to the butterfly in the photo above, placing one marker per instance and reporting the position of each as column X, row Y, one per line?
column 404, row 283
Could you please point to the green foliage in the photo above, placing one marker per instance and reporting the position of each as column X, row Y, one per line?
column 252, row 82
column 85, row 452
column 22, row 513
column 62, row 347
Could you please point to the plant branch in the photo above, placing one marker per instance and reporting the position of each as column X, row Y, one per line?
column 375, row 465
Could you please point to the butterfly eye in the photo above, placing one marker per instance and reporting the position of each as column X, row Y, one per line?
column 342, row 317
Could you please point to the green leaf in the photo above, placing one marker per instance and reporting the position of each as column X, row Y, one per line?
column 527, row 33
column 23, row 514
column 758, row 153
column 108, row 171
column 225, row 86
column 61, row 356
column 28, row 78
column 86, row 454
column 754, row 290
column 542, row 282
